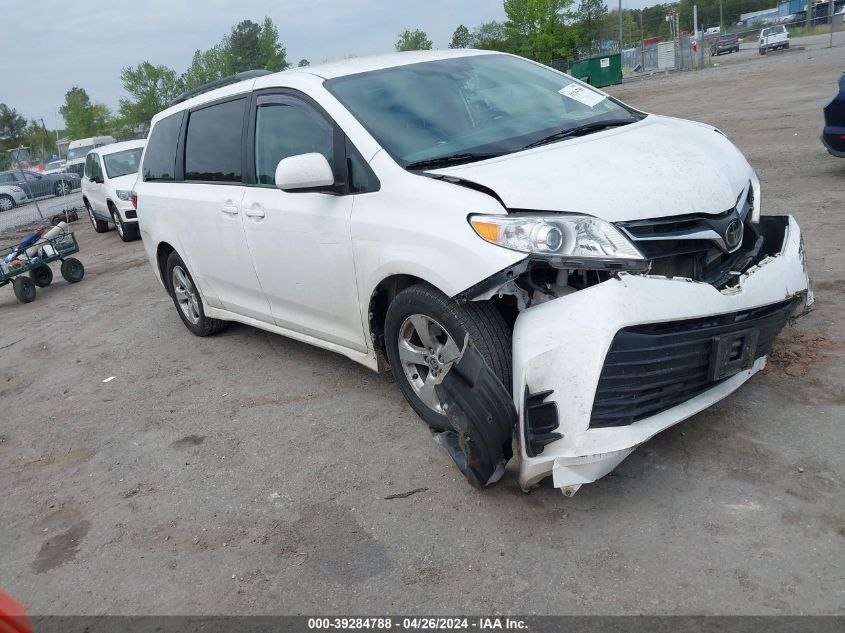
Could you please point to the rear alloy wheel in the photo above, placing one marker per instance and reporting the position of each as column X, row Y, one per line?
column 6, row 202
column 62, row 188
column 187, row 299
column 100, row 226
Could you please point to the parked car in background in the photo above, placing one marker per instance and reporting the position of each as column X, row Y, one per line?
column 727, row 43
column 77, row 150
column 110, row 174
column 38, row 184
column 773, row 38
column 58, row 166
column 409, row 212
column 11, row 196
column 833, row 135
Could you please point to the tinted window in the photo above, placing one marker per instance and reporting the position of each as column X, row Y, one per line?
column 288, row 129
column 160, row 159
column 214, row 142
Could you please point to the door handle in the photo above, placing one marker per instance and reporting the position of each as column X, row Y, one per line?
column 229, row 209
column 254, row 211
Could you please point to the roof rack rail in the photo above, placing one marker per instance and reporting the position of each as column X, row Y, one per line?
column 219, row 83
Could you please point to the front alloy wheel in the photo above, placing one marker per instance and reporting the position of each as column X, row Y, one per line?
column 424, row 347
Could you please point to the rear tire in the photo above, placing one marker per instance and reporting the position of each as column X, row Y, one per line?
column 72, row 270
column 24, row 289
column 41, row 276
column 62, row 188
column 480, row 320
column 187, row 299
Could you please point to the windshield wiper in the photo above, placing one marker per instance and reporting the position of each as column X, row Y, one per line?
column 579, row 130
column 451, row 159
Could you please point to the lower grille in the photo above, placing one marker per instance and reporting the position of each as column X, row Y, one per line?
column 652, row 368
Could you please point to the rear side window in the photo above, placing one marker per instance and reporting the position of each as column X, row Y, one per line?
column 214, row 142
column 160, row 158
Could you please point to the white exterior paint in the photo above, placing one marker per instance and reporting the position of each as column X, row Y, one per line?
column 305, row 265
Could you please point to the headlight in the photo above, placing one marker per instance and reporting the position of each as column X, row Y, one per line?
column 16, row 189
column 567, row 241
column 124, row 195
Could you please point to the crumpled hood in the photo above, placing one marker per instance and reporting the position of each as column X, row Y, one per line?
column 654, row 168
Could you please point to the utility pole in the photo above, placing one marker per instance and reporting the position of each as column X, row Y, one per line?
column 642, row 44
column 722, row 18
column 620, row 27
column 830, row 19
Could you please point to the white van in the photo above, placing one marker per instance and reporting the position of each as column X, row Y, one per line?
column 77, row 150
column 773, row 38
column 529, row 256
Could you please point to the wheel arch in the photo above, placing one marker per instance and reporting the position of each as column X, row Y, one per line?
column 380, row 298
column 163, row 251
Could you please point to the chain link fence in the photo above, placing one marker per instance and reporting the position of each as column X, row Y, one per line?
column 35, row 188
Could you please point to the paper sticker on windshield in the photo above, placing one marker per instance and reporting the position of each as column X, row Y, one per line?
column 582, row 95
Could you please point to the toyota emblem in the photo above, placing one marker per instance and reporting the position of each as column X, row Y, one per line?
column 733, row 235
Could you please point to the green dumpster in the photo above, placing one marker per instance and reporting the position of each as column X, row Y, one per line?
column 603, row 70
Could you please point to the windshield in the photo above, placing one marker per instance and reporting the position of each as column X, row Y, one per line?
column 79, row 152
column 122, row 163
column 481, row 105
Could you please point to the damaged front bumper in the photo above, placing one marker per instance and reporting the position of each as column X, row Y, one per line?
column 595, row 376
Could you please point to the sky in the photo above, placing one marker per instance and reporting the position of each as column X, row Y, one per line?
column 86, row 44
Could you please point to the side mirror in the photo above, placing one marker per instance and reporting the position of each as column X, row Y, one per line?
column 304, row 171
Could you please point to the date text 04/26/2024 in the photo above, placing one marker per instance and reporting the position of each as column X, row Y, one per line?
column 418, row 623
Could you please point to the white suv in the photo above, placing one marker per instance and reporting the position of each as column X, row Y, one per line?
column 110, row 175
column 527, row 254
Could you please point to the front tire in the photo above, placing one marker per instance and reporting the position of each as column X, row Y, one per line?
column 187, row 299
column 127, row 232
column 100, row 226
column 7, row 202
column 24, row 289
column 424, row 328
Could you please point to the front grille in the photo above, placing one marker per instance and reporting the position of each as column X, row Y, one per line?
column 652, row 368
column 690, row 246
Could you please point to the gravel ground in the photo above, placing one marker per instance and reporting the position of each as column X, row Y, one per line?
column 247, row 473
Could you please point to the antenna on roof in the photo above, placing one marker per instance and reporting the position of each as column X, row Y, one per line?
column 219, row 83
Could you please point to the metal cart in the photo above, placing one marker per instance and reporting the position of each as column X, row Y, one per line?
column 17, row 260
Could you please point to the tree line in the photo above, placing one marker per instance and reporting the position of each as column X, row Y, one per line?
column 542, row 30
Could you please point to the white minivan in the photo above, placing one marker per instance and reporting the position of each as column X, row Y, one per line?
column 529, row 256
column 107, row 187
